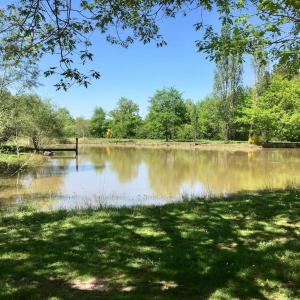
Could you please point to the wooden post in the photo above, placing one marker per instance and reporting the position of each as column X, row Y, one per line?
column 76, row 146
column 76, row 163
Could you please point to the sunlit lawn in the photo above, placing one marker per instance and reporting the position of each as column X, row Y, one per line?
column 245, row 247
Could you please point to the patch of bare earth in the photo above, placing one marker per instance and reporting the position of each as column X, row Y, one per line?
column 97, row 284
column 92, row 284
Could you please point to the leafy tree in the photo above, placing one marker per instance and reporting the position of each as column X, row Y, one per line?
column 227, row 85
column 81, row 127
column 255, row 25
column 29, row 115
column 66, row 123
column 209, row 118
column 193, row 116
column 13, row 117
column 125, row 119
column 97, row 124
column 5, row 115
column 241, row 125
column 167, row 111
column 19, row 76
column 31, row 28
column 190, row 129
column 41, row 121
column 277, row 112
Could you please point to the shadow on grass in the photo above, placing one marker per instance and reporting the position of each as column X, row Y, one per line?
column 246, row 246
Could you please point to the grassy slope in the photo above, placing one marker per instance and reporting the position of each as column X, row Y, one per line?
column 247, row 246
column 10, row 163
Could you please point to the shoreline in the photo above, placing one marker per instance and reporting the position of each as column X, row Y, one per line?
column 12, row 163
column 205, row 145
column 174, row 145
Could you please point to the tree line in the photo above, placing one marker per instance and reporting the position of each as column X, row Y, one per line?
column 270, row 110
column 258, row 114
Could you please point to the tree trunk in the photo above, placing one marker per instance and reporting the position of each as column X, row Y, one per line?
column 226, row 137
column 35, row 143
column 166, row 134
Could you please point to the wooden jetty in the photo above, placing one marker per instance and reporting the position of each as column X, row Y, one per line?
column 64, row 149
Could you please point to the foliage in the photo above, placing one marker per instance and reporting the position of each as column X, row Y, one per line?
column 276, row 114
column 241, row 125
column 241, row 109
column 28, row 115
column 209, row 119
column 167, row 111
column 125, row 119
column 81, row 127
column 192, row 130
column 42, row 123
column 19, row 76
column 12, row 163
column 7, row 105
column 227, row 85
column 270, row 29
column 65, row 123
column 97, row 125
column 270, row 110
column 32, row 29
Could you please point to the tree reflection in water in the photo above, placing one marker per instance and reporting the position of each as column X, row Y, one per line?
column 130, row 173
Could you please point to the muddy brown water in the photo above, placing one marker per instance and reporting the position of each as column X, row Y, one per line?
column 113, row 176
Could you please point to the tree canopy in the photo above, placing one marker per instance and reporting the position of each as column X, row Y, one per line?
column 276, row 113
column 268, row 111
column 32, row 29
column 97, row 124
column 125, row 119
column 28, row 115
column 166, row 112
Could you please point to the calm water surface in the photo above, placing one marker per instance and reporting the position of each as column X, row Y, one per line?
column 130, row 176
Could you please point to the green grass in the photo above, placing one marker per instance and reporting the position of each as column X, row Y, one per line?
column 244, row 247
column 10, row 163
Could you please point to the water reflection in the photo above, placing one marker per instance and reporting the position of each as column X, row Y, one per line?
column 130, row 176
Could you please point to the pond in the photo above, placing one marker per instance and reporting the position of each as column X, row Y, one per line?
column 115, row 176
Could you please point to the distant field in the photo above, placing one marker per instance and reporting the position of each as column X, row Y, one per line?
column 153, row 141
column 148, row 143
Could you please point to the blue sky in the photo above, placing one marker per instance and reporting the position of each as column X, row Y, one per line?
column 138, row 71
